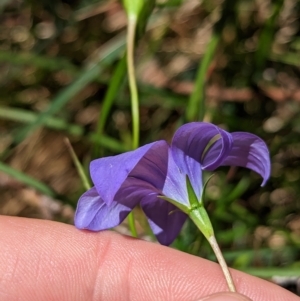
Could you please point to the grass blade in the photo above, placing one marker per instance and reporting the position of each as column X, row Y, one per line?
column 75, row 130
column 27, row 180
column 110, row 95
column 38, row 61
column 196, row 105
column 269, row 272
column 113, row 50
column 80, row 169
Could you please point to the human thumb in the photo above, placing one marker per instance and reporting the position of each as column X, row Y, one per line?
column 225, row 297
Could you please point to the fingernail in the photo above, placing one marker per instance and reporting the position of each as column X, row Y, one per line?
column 225, row 297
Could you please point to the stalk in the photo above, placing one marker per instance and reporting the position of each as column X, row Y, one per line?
column 201, row 219
column 132, row 21
column 213, row 242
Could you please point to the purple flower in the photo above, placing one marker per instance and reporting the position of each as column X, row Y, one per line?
column 155, row 171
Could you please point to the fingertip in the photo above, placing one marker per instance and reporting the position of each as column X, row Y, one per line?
column 225, row 297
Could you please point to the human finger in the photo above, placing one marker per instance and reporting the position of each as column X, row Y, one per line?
column 224, row 296
column 44, row 260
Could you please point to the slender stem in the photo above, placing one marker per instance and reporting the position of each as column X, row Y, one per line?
column 222, row 262
column 199, row 216
column 201, row 219
column 84, row 178
column 132, row 21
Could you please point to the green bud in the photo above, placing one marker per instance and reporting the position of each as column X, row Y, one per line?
column 133, row 7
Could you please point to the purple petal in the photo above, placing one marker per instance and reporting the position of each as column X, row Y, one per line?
column 93, row 214
column 217, row 151
column 175, row 183
column 108, row 174
column 250, row 151
column 165, row 219
column 133, row 191
column 191, row 152
column 153, row 167
column 194, row 138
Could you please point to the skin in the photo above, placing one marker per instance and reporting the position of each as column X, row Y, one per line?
column 45, row 260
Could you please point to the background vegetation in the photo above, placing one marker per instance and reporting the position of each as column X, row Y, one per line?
column 63, row 74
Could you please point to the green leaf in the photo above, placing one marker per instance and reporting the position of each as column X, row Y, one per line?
column 27, row 180
column 268, row 272
column 144, row 17
column 196, row 106
column 201, row 219
column 178, row 205
column 24, row 116
column 84, row 178
column 197, row 212
column 88, row 75
column 38, row 61
column 110, row 95
column 265, row 39
column 193, row 200
column 204, row 188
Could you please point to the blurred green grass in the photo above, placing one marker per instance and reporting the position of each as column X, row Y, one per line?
column 63, row 69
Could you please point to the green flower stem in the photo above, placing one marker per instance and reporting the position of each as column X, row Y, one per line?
column 132, row 21
column 201, row 219
column 199, row 216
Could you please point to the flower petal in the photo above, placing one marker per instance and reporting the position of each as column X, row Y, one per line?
column 250, row 151
column 108, row 174
column 165, row 219
column 220, row 147
column 94, row 214
column 153, row 167
column 175, row 182
column 199, row 145
column 204, row 142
